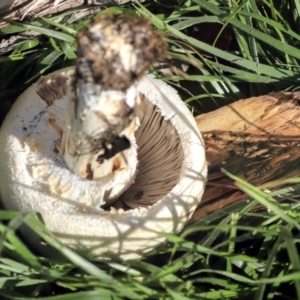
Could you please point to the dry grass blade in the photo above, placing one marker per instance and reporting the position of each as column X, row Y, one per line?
column 22, row 9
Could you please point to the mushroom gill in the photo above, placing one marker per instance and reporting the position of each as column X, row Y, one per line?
column 160, row 158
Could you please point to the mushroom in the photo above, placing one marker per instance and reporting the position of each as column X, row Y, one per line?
column 110, row 157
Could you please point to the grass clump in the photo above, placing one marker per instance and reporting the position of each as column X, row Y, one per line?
column 220, row 51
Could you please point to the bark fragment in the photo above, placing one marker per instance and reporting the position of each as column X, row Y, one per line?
column 257, row 139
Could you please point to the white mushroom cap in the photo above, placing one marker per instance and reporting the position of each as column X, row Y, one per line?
column 109, row 158
column 171, row 175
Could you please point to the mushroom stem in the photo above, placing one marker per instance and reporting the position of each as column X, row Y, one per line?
column 96, row 130
column 98, row 136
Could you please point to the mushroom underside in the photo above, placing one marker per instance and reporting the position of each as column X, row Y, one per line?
column 160, row 154
column 166, row 189
column 160, row 158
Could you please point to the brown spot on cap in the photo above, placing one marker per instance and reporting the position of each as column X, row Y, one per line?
column 52, row 88
column 117, row 164
column 56, row 127
column 89, row 172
